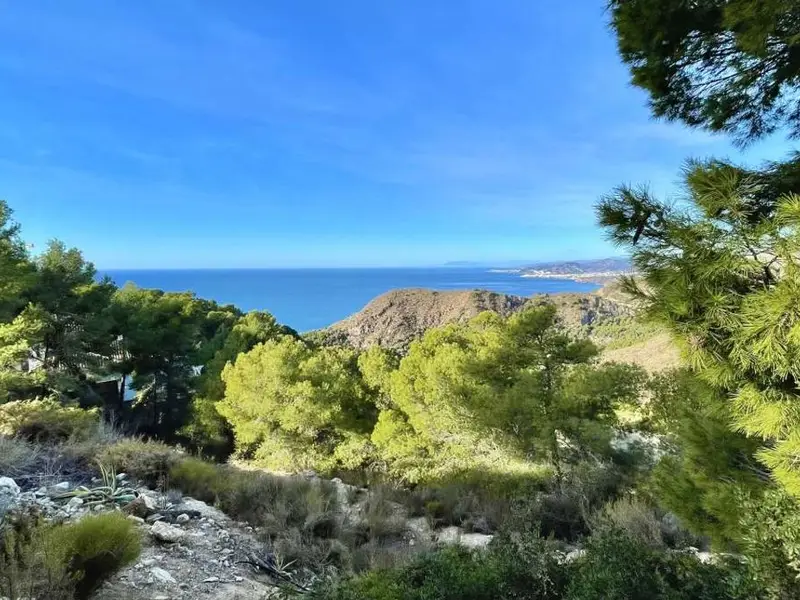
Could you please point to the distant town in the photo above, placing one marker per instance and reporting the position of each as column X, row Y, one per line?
column 596, row 271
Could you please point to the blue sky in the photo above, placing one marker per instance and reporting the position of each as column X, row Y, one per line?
column 317, row 133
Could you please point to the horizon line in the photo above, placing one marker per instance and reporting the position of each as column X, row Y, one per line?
column 458, row 264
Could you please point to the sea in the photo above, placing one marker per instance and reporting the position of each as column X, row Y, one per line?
column 307, row 299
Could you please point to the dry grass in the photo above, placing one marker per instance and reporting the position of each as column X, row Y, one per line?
column 656, row 354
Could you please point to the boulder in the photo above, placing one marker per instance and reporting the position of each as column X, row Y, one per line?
column 420, row 529
column 449, row 535
column 9, row 494
column 164, row 532
column 475, row 540
column 191, row 506
column 59, row 488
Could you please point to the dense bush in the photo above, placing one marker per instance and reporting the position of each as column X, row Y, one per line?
column 770, row 538
column 148, row 461
column 198, row 478
column 62, row 562
column 524, row 567
column 94, row 548
column 26, row 567
column 47, row 421
column 617, row 567
column 455, row 574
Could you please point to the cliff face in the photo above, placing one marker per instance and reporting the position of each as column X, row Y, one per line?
column 396, row 318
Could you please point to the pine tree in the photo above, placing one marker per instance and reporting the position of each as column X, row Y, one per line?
column 722, row 271
column 726, row 65
column 20, row 379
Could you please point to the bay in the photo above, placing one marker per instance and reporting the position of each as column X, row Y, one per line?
column 308, row 299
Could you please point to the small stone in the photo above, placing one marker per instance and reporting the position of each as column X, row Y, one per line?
column 162, row 575
column 149, row 502
column 211, row 580
column 74, row 503
column 238, row 579
column 42, row 491
column 165, row 532
column 135, row 519
column 97, row 508
column 60, row 488
column 122, row 476
column 160, row 597
column 182, row 518
column 148, row 562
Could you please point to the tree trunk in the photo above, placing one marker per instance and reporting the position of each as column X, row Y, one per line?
column 554, row 450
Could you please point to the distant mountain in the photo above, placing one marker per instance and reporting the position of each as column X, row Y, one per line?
column 600, row 265
column 464, row 263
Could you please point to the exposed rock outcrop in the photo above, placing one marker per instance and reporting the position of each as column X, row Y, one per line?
column 396, row 318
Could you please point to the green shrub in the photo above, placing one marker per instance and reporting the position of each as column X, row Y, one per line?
column 26, row 568
column 770, row 539
column 458, row 574
column 47, row 421
column 148, row 461
column 94, row 548
column 198, row 478
column 617, row 567
column 62, row 562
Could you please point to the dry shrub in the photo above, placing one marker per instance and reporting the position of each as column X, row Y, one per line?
column 148, row 461
column 637, row 518
column 16, row 456
column 47, row 421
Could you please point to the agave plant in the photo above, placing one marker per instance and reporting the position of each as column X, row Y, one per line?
column 111, row 491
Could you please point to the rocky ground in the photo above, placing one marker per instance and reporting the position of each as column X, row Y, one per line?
column 190, row 549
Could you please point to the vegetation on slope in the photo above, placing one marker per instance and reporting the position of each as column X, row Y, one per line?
column 514, row 406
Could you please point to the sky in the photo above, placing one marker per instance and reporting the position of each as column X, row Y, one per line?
column 206, row 134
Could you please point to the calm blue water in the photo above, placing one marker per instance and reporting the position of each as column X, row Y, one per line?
column 311, row 298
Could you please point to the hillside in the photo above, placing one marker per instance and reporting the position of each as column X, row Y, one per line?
column 395, row 319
